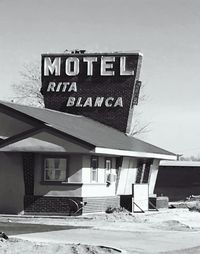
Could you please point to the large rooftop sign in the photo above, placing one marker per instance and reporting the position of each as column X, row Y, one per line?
column 102, row 86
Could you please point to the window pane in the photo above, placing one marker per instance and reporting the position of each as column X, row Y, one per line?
column 51, row 163
column 49, row 174
column 94, row 175
column 63, row 175
column 108, row 164
column 46, row 164
column 57, row 175
column 63, row 164
column 94, row 163
column 56, row 163
column 60, row 175
column 94, row 169
column 108, row 170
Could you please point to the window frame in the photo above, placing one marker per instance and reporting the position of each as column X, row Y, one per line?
column 45, row 157
column 94, row 170
column 106, row 173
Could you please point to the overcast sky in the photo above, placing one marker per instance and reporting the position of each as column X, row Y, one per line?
column 166, row 32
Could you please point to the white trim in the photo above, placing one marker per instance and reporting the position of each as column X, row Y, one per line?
column 134, row 153
column 180, row 163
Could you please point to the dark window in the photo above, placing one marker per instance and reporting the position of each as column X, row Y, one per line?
column 143, row 170
column 139, row 172
column 146, row 172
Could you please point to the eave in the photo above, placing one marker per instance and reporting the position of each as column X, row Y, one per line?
column 108, row 151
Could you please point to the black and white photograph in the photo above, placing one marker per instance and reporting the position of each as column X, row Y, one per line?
column 100, row 126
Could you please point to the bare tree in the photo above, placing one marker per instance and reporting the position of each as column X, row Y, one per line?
column 139, row 127
column 28, row 93
column 28, row 89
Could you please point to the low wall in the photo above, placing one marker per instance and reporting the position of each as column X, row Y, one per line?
column 67, row 205
column 51, row 205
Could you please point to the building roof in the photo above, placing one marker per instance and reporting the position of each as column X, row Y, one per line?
column 84, row 129
column 166, row 163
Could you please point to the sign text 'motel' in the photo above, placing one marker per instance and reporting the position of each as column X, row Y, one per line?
column 99, row 86
column 72, row 66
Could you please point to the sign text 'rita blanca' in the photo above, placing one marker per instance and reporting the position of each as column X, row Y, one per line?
column 79, row 101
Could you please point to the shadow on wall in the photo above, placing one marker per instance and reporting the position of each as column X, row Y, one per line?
column 126, row 202
column 11, row 183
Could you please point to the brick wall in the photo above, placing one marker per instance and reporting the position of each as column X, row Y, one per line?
column 67, row 205
column 109, row 116
column 51, row 205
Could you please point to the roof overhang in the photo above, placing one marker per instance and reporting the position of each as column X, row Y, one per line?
column 108, row 151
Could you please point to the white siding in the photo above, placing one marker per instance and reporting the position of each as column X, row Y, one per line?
column 100, row 188
column 153, row 176
column 127, row 176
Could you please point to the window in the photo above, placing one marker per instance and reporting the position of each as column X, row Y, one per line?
column 94, row 169
column 108, row 168
column 143, row 171
column 55, row 169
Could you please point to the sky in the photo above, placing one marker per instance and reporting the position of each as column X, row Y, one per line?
column 166, row 32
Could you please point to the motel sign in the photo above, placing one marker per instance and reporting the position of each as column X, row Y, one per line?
column 102, row 86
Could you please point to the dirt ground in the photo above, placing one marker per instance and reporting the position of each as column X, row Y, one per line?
column 17, row 246
column 176, row 230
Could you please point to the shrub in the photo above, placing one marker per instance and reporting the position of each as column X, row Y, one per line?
column 111, row 209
